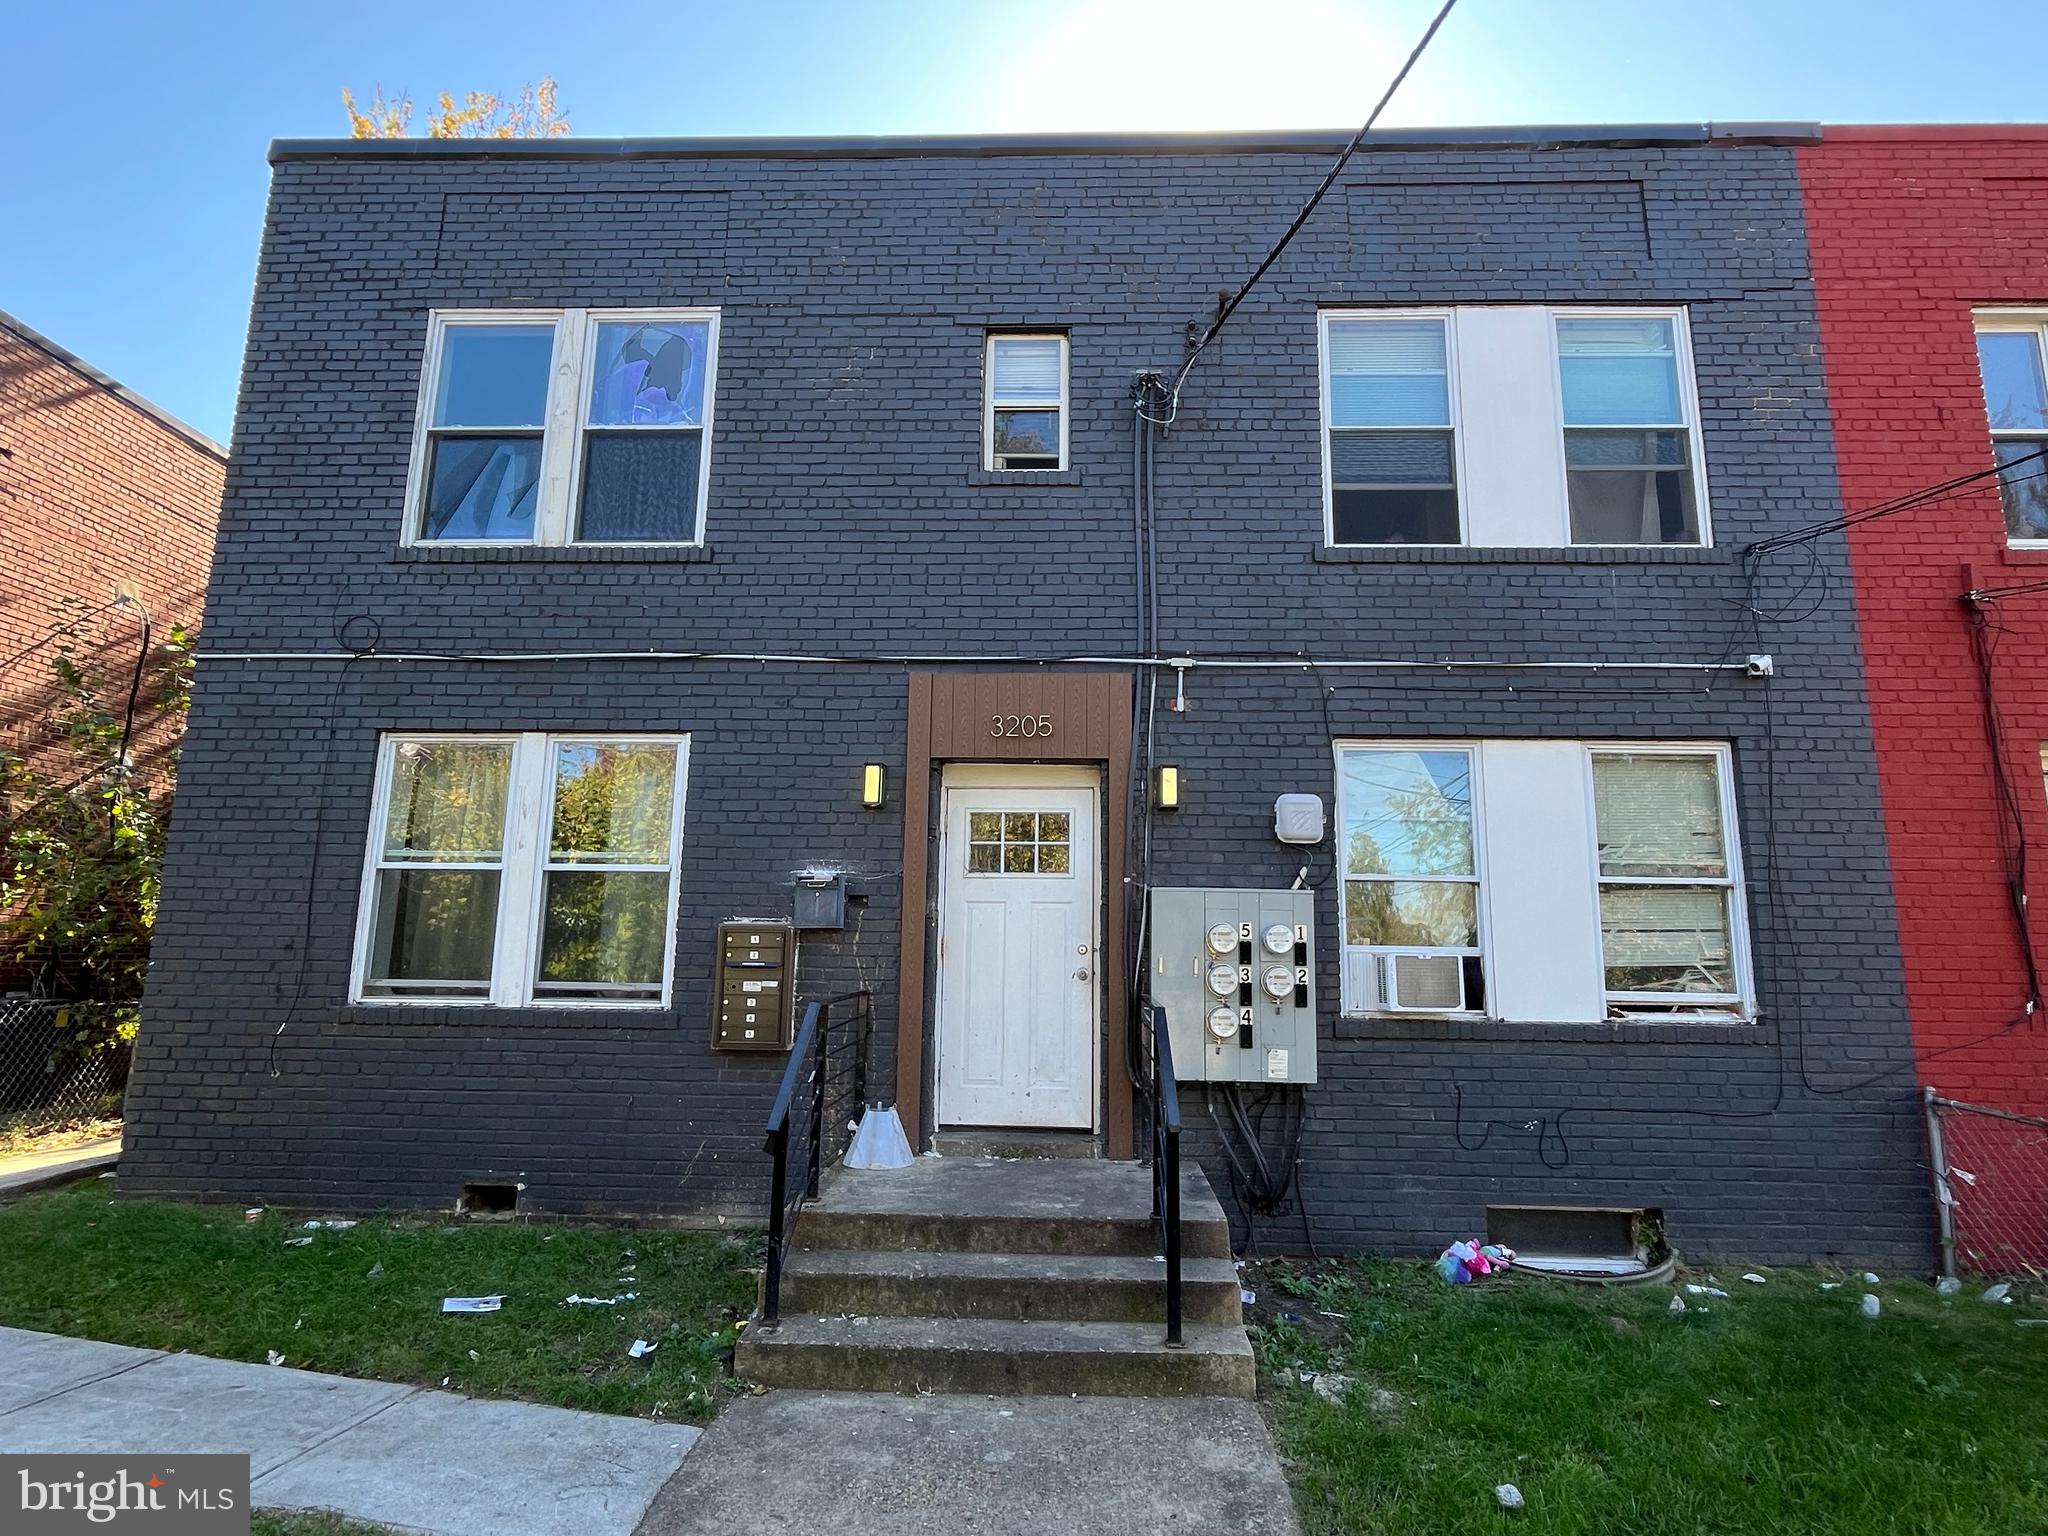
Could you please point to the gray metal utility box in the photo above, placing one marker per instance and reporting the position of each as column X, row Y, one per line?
column 1236, row 972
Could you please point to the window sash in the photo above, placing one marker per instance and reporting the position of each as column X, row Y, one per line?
column 523, row 873
column 1727, row 881
column 2025, row 438
column 998, row 402
column 566, row 429
column 1348, row 754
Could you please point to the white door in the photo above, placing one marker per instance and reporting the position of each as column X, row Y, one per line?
column 1018, row 949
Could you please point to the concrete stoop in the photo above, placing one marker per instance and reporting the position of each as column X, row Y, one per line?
column 1026, row 1277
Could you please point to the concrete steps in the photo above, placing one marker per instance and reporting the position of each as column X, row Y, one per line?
column 919, row 1354
column 1003, row 1276
column 1019, row 1287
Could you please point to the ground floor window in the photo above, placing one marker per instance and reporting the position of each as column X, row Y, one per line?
column 520, row 869
column 1540, row 880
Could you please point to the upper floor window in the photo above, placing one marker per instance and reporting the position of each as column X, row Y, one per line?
column 1515, row 425
column 522, row 869
column 1026, row 387
column 2010, row 352
column 564, row 427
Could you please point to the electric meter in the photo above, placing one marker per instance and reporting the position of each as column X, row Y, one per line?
column 1234, row 971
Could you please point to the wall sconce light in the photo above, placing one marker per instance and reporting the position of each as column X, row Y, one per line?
column 1166, row 788
column 871, row 786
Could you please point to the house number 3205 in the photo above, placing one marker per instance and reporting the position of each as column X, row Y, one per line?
column 1020, row 725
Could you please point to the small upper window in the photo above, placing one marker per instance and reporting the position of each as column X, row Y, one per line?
column 1026, row 427
column 1392, row 447
column 570, row 427
column 1627, row 443
column 2010, row 353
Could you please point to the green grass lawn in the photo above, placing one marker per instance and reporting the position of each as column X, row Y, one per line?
column 1778, row 1410
column 366, row 1301
column 312, row 1522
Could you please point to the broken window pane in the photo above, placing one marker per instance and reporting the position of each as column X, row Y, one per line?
column 481, row 488
column 494, row 375
column 1663, row 938
column 640, row 487
column 650, row 375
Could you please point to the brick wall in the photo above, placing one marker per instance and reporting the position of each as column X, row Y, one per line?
column 1911, row 229
column 847, row 512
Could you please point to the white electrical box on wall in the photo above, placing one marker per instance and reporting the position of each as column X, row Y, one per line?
column 1235, row 971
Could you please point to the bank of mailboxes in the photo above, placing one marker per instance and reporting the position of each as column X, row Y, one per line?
column 755, row 986
column 1236, row 972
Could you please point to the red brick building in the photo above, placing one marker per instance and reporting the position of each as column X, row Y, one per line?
column 1930, row 261
column 102, row 495
column 100, row 492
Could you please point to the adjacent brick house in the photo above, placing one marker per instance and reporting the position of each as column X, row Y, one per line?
column 101, row 494
column 685, row 480
column 1930, row 252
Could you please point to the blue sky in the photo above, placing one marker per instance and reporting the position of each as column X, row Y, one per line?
column 133, row 161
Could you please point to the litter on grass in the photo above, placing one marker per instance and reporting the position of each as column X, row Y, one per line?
column 331, row 1224
column 297, row 1242
column 1469, row 1260
column 1509, row 1495
column 1705, row 1290
column 600, row 1301
column 254, row 1213
column 1999, row 1292
column 640, row 1348
column 471, row 1303
column 272, row 1357
column 1677, row 1307
column 1871, row 1306
column 1947, row 1285
column 1249, row 1298
column 1756, row 1279
column 1870, row 1279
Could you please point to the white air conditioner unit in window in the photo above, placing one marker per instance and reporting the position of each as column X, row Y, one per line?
column 1422, row 983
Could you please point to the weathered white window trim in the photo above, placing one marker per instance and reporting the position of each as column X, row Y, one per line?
column 991, row 402
column 528, row 809
column 2023, row 322
column 1537, row 862
column 563, row 428
column 1507, row 420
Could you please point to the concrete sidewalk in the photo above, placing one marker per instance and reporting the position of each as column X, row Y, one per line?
column 40, row 1170
column 872, row 1464
column 391, row 1455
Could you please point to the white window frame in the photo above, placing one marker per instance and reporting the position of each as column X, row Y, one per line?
column 2025, row 322
column 1688, row 402
column 529, row 813
column 1444, row 315
column 1462, row 427
column 564, row 426
column 991, row 404
column 1477, row 879
column 1670, row 1005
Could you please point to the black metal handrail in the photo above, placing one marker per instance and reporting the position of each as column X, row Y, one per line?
column 1163, row 1104
column 813, row 1093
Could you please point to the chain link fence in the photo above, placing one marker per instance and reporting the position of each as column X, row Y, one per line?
column 1990, row 1187
column 56, row 1075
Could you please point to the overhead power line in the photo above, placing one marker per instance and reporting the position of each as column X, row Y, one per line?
column 1229, row 306
column 1906, row 501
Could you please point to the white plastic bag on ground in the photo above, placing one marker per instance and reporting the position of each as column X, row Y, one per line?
column 880, row 1142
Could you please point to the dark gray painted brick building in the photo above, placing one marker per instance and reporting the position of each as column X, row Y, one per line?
column 850, row 511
